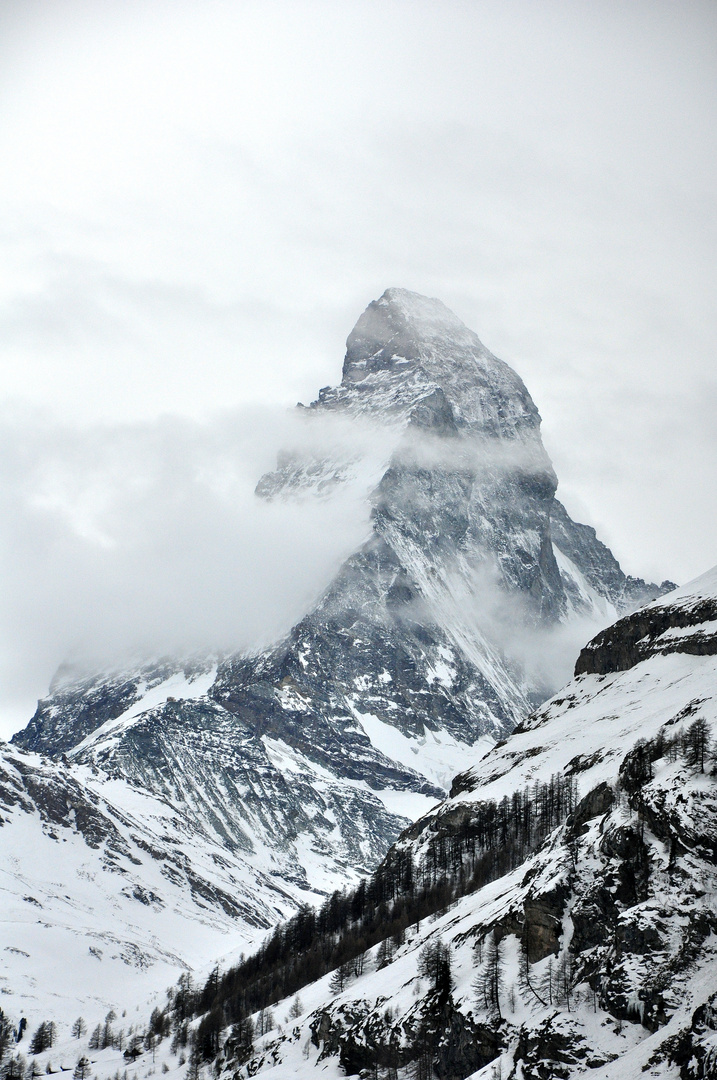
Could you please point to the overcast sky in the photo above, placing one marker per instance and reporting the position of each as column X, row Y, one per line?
column 198, row 201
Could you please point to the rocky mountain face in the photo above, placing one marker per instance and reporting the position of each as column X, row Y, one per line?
column 559, row 917
column 307, row 759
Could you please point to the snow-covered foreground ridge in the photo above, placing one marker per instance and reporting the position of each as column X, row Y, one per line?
column 516, row 948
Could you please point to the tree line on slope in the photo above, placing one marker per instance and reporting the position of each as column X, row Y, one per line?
column 466, row 849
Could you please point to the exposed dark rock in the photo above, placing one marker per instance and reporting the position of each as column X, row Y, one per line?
column 552, row 1051
column 365, row 1039
column 544, row 922
column 595, row 804
column 645, row 633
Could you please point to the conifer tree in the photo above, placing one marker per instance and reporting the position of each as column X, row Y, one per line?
column 489, row 984
column 340, row 977
column 15, row 1068
column 384, row 953
column 697, row 743
column 547, row 983
column 82, row 1069
column 78, row 1028
column 5, row 1034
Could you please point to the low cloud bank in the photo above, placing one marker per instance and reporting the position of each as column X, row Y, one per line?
column 118, row 538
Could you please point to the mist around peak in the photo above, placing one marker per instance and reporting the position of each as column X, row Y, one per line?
column 121, row 540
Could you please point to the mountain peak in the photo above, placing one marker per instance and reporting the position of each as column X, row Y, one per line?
column 424, row 312
column 396, row 329
column 408, row 350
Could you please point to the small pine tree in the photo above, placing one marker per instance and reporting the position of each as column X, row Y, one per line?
column 82, row 1069
column 489, row 984
column 5, row 1034
column 443, row 985
column 193, row 1065
column 564, row 980
column 384, row 953
column 107, row 1036
column 15, row 1068
column 696, row 743
column 43, row 1038
column 296, row 1008
column 340, row 977
column 38, row 1041
column 525, row 985
column 240, row 1044
column 78, row 1028
column 547, row 983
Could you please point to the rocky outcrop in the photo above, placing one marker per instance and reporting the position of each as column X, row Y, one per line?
column 555, row 1049
column 694, row 1049
column 81, row 702
column 435, row 1039
column 653, row 630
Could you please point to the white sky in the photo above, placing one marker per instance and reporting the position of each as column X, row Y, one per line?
column 199, row 199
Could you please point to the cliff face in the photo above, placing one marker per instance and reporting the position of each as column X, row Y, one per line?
column 685, row 621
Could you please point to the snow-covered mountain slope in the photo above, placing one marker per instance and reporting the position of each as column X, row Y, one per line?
column 424, row 649
column 572, row 875
column 631, row 679
column 108, row 890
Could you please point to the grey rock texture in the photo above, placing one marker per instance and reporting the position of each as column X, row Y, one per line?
column 688, row 625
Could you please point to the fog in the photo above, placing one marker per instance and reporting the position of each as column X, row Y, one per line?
column 149, row 537
column 541, row 657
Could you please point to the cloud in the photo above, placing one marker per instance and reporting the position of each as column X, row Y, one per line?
column 118, row 539
column 541, row 657
column 149, row 536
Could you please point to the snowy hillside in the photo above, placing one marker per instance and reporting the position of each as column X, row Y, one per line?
column 572, row 880
column 107, row 890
